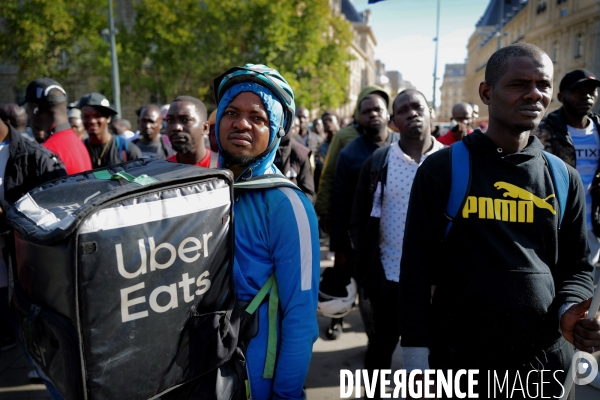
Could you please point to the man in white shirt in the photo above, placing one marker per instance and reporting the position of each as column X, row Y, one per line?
column 379, row 215
column 571, row 133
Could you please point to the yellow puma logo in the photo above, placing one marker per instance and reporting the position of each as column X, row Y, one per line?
column 517, row 193
column 519, row 210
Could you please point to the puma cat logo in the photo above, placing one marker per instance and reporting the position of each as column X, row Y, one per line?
column 517, row 193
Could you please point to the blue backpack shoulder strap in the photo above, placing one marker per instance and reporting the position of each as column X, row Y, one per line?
column 460, row 164
column 560, row 179
column 122, row 147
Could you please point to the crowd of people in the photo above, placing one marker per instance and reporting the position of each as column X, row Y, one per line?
column 495, row 275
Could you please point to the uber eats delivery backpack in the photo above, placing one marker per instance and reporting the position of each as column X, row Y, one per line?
column 248, row 317
column 124, row 284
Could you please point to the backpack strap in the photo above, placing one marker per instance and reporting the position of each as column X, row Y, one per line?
column 166, row 146
column 377, row 179
column 270, row 284
column 460, row 160
column 380, row 159
column 122, row 147
column 560, row 179
column 266, row 181
column 460, row 164
column 378, row 163
column 214, row 159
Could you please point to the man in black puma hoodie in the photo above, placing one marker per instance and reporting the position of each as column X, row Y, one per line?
column 511, row 289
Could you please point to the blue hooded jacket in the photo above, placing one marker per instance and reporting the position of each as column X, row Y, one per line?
column 276, row 231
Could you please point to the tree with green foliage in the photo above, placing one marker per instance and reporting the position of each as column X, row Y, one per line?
column 178, row 46
column 60, row 39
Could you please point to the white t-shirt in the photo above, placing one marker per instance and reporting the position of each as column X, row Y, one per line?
column 3, row 160
column 396, row 193
column 587, row 150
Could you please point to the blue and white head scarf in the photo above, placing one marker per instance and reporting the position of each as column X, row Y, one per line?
column 263, row 165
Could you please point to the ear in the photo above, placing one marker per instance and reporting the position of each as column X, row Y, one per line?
column 206, row 128
column 485, row 93
column 559, row 96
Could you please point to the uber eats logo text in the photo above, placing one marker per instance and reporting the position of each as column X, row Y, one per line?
column 519, row 210
column 189, row 250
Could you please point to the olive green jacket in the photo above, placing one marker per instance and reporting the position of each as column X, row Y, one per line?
column 339, row 141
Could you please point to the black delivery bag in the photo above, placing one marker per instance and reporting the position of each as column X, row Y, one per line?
column 124, row 279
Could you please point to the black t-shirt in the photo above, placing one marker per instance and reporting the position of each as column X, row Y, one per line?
column 107, row 154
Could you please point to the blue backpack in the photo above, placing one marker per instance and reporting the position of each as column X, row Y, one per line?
column 122, row 148
column 461, row 182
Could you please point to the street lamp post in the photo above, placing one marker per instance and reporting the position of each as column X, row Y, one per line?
column 114, row 62
column 500, row 24
column 437, row 41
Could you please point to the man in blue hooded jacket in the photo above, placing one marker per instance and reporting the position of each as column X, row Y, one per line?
column 275, row 229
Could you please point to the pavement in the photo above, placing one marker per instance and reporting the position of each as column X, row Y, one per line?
column 322, row 383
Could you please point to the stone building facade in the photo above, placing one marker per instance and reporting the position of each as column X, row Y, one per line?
column 453, row 90
column 363, row 69
column 567, row 30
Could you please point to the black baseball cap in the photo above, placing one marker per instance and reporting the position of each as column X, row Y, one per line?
column 574, row 78
column 43, row 92
column 96, row 100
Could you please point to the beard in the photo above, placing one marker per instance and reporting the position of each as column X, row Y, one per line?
column 230, row 159
column 183, row 147
column 372, row 131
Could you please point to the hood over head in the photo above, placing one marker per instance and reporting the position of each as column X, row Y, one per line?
column 367, row 90
column 263, row 164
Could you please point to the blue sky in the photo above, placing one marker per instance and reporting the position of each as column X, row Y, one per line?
column 405, row 30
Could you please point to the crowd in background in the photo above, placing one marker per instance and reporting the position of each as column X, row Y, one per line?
column 343, row 164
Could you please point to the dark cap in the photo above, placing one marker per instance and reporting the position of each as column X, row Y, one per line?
column 39, row 92
column 574, row 78
column 96, row 100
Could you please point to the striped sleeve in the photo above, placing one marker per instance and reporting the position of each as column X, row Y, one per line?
column 294, row 240
column 304, row 236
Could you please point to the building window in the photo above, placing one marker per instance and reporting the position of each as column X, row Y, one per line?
column 579, row 45
column 563, row 12
column 555, row 52
column 541, row 6
column 559, row 2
